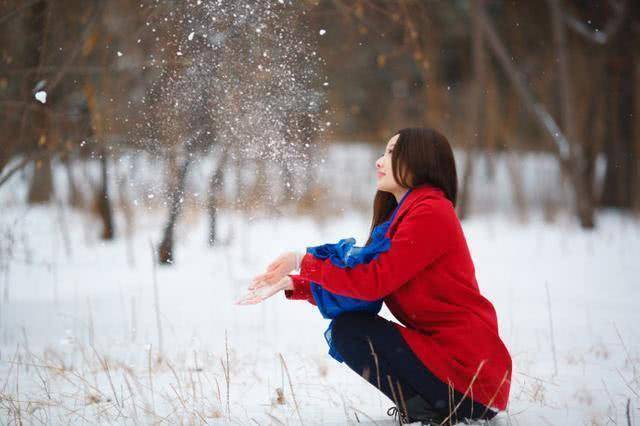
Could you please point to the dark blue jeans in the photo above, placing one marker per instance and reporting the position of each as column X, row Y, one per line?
column 395, row 369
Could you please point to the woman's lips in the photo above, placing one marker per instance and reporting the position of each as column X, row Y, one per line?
column 380, row 174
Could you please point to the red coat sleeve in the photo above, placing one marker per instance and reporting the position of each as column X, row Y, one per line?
column 422, row 236
column 301, row 290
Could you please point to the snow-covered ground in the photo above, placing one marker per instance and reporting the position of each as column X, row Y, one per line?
column 82, row 339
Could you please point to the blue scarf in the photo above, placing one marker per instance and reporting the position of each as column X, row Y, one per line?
column 344, row 254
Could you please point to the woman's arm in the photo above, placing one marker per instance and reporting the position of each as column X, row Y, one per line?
column 423, row 235
column 301, row 289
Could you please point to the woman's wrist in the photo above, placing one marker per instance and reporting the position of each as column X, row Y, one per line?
column 299, row 255
column 288, row 283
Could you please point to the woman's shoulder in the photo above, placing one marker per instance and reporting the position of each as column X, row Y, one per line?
column 428, row 199
column 426, row 207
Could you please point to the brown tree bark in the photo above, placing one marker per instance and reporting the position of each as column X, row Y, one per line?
column 476, row 115
column 569, row 152
column 76, row 199
column 166, row 250
column 104, row 203
column 216, row 184
column 621, row 184
column 576, row 164
column 41, row 185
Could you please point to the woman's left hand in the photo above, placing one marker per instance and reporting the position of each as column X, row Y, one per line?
column 266, row 291
column 276, row 270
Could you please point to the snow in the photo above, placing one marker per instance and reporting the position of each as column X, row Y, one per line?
column 251, row 64
column 80, row 341
column 41, row 96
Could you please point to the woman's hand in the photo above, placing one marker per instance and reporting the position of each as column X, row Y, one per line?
column 276, row 271
column 266, row 291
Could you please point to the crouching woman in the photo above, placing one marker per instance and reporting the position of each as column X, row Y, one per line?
column 444, row 362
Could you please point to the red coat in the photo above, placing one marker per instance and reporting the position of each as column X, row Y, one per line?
column 427, row 280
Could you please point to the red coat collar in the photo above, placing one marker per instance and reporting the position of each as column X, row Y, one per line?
column 416, row 194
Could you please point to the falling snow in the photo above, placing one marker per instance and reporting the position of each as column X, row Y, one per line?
column 250, row 84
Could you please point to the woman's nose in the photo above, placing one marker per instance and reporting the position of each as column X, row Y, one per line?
column 378, row 163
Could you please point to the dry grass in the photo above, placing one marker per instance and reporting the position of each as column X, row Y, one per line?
column 100, row 389
column 92, row 386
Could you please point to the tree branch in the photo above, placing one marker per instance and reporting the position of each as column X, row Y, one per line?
column 540, row 113
column 610, row 29
column 34, row 156
column 18, row 10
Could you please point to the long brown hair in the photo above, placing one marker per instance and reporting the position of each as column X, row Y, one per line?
column 420, row 156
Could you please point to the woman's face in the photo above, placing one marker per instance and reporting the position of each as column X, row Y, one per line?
column 384, row 173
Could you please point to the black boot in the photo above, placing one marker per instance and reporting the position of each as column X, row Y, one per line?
column 418, row 410
column 398, row 415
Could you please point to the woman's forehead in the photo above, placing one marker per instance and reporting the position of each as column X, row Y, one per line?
column 393, row 140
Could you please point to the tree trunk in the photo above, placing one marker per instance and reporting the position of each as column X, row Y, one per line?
column 576, row 164
column 594, row 125
column 41, row 186
column 104, row 202
column 216, row 184
column 620, row 187
column 76, row 198
column 475, row 113
column 166, row 254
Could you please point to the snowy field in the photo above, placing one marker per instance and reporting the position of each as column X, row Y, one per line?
column 91, row 332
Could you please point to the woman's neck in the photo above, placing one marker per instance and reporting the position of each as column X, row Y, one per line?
column 400, row 193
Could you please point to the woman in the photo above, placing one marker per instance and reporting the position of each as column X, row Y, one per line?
column 445, row 362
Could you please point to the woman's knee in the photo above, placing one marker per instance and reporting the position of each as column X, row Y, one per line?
column 351, row 326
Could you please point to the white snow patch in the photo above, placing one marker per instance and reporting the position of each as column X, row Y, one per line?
column 41, row 96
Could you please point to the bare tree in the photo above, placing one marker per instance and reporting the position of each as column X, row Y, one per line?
column 569, row 151
column 176, row 198
column 41, row 185
column 476, row 116
column 216, row 184
column 577, row 162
